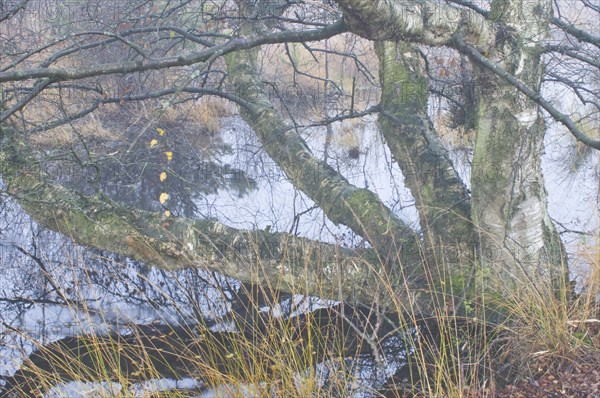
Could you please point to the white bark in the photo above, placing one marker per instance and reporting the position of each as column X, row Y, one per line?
column 518, row 240
column 427, row 22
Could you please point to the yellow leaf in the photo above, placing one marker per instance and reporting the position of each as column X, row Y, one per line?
column 161, row 132
column 169, row 155
column 229, row 356
column 163, row 197
column 172, row 34
column 163, row 176
column 167, row 213
column 153, row 143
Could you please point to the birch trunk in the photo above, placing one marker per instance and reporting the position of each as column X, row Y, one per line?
column 519, row 243
column 440, row 195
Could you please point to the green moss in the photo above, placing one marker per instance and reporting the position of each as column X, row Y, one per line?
column 402, row 89
column 497, row 11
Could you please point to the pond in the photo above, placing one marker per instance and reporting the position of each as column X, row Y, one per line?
column 51, row 289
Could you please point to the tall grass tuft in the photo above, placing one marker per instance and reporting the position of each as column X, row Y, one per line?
column 454, row 351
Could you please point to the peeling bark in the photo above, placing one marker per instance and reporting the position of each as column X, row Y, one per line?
column 428, row 22
column 519, row 242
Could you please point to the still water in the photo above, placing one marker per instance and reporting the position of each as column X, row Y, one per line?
column 51, row 288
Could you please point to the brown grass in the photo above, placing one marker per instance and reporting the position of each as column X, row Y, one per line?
column 545, row 331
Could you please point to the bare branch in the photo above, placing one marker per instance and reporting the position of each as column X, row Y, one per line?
column 470, row 5
column 37, row 88
column 120, row 38
column 579, row 34
column 10, row 13
column 240, row 43
column 573, row 53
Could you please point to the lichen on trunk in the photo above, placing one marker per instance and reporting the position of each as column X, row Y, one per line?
column 519, row 242
column 440, row 195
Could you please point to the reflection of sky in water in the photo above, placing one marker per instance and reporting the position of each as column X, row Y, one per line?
column 573, row 201
column 276, row 202
column 573, row 197
column 106, row 389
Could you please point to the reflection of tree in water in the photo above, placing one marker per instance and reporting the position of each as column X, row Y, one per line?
column 157, row 351
column 263, row 323
column 336, row 343
column 52, row 275
column 128, row 171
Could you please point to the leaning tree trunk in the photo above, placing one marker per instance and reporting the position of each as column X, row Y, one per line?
column 519, row 244
column 397, row 261
column 277, row 260
column 440, row 195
